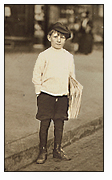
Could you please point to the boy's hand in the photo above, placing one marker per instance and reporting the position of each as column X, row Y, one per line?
column 37, row 95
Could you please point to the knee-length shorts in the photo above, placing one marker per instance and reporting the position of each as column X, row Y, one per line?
column 52, row 107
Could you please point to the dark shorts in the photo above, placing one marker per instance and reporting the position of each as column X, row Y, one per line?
column 52, row 107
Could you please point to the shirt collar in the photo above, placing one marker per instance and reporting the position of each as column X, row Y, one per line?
column 56, row 49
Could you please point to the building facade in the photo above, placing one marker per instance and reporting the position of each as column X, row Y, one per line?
column 33, row 21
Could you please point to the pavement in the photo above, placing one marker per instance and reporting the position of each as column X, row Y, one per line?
column 21, row 127
column 86, row 156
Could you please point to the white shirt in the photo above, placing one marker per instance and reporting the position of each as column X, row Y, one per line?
column 52, row 70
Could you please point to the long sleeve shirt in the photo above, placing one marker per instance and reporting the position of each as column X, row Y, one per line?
column 52, row 70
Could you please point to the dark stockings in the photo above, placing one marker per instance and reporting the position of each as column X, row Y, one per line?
column 44, row 126
column 58, row 132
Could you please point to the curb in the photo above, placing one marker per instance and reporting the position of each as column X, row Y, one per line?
column 23, row 158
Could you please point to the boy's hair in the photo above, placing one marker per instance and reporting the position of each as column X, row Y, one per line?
column 50, row 32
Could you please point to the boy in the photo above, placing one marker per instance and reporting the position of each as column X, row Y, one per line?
column 51, row 78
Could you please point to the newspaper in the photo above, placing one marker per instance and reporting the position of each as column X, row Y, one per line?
column 74, row 98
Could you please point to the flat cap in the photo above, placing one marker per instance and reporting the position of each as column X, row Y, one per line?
column 61, row 28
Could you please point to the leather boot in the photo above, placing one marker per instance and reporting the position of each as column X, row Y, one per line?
column 42, row 156
column 58, row 153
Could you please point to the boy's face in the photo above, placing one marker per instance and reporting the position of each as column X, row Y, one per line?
column 57, row 40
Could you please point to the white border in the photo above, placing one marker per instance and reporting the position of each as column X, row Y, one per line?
column 107, row 100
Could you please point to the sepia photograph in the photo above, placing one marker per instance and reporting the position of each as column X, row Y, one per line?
column 53, row 88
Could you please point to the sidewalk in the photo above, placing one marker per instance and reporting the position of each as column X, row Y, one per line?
column 21, row 128
column 86, row 156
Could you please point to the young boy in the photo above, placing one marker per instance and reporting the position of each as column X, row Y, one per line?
column 51, row 78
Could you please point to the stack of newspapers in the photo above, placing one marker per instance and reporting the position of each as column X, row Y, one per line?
column 74, row 98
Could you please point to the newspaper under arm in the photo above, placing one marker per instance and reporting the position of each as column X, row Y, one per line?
column 74, row 98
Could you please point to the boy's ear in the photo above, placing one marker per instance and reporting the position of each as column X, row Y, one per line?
column 49, row 37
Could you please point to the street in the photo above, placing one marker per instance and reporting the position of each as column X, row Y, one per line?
column 20, row 101
column 21, row 127
column 86, row 156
